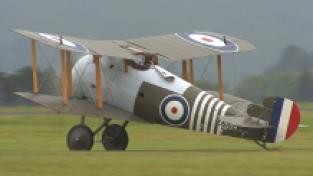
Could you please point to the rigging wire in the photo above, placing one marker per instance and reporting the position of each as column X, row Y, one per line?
column 80, row 77
column 204, row 70
column 171, row 66
column 49, row 70
column 108, row 81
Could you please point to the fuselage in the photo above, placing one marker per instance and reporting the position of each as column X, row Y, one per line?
column 150, row 96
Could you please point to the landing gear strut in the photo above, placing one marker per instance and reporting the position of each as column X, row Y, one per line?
column 262, row 139
column 263, row 144
column 114, row 136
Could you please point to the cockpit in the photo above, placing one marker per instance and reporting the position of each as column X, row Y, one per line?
column 147, row 61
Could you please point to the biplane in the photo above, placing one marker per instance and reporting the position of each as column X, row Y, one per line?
column 106, row 83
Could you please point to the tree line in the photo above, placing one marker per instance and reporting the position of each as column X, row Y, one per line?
column 21, row 81
column 291, row 77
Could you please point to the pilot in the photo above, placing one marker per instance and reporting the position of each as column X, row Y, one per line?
column 147, row 61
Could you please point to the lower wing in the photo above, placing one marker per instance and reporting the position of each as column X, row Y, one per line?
column 81, row 107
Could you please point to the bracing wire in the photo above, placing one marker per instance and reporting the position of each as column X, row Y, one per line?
column 49, row 71
column 114, row 76
column 171, row 66
column 108, row 82
column 204, row 70
column 80, row 77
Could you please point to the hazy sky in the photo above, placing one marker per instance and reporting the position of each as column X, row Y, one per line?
column 269, row 25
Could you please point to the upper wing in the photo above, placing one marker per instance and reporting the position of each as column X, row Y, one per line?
column 175, row 47
column 190, row 45
column 94, row 47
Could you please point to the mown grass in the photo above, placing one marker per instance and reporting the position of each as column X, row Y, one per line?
column 305, row 104
column 36, row 146
column 23, row 109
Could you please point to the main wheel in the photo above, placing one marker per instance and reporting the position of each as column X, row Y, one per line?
column 79, row 137
column 114, row 137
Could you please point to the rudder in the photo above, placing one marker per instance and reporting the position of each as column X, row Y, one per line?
column 285, row 116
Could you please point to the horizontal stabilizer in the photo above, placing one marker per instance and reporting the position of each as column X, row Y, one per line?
column 80, row 107
column 249, row 122
column 260, row 112
column 303, row 126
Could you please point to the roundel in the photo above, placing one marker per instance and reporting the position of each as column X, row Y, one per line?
column 59, row 40
column 208, row 40
column 174, row 110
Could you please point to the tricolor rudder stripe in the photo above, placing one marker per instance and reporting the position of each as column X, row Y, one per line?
column 285, row 117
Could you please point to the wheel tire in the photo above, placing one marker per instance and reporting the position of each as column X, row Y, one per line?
column 112, row 142
column 80, row 137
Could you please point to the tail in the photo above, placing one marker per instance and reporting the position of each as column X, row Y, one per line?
column 285, row 116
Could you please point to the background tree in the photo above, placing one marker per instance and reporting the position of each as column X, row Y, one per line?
column 304, row 89
column 256, row 88
column 207, row 85
column 21, row 80
column 292, row 58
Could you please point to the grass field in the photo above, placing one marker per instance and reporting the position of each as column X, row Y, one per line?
column 23, row 109
column 35, row 145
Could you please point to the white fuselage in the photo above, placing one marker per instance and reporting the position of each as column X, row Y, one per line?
column 175, row 103
column 119, row 88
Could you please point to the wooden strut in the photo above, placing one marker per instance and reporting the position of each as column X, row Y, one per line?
column 191, row 73
column 184, row 70
column 96, row 60
column 64, row 77
column 155, row 59
column 220, row 77
column 125, row 65
column 34, row 65
column 69, row 74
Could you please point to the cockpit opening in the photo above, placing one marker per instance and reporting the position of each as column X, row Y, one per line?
column 147, row 61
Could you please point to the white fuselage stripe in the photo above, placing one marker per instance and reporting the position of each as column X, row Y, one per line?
column 284, row 120
column 201, row 111
column 216, row 109
column 219, row 127
column 194, row 109
column 207, row 117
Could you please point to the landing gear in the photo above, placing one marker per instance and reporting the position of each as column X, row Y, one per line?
column 114, row 136
column 262, row 141
column 79, row 137
column 263, row 144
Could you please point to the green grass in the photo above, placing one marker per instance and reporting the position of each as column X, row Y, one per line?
column 23, row 109
column 305, row 104
column 36, row 146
